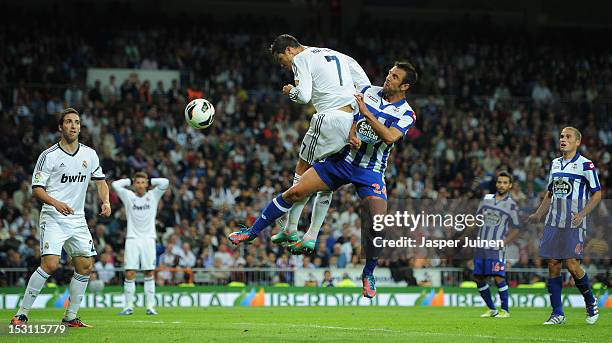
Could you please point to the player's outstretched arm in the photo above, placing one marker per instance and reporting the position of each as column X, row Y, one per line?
column 105, row 209
column 41, row 194
column 542, row 209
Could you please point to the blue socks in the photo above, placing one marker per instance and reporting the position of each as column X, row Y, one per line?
column 273, row 211
column 555, row 285
column 371, row 263
column 502, row 288
column 585, row 288
column 485, row 293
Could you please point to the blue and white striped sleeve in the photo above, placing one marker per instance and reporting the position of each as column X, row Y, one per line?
column 405, row 122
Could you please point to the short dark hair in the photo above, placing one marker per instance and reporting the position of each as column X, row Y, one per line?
column 411, row 74
column 506, row 174
column 65, row 112
column 282, row 42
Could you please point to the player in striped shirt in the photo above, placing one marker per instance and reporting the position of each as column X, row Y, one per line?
column 573, row 192
column 384, row 117
column 500, row 223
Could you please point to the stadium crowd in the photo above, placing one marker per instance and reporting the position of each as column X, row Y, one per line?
column 484, row 102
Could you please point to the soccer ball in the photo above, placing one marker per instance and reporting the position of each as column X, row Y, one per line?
column 199, row 113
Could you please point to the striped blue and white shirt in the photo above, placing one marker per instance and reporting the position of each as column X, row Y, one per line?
column 571, row 183
column 374, row 153
column 498, row 214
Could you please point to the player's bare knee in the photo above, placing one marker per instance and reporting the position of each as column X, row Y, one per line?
column 294, row 194
column 148, row 273
column 85, row 267
column 49, row 266
column 499, row 279
column 574, row 267
column 479, row 278
column 131, row 274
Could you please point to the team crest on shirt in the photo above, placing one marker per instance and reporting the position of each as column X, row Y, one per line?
column 46, row 246
column 574, row 166
column 84, row 164
column 561, row 188
column 492, row 218
column 37, row 176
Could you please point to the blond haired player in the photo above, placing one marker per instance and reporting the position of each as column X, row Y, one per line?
column 141, row 207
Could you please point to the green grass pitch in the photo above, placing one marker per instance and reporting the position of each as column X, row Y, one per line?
column 322, row 324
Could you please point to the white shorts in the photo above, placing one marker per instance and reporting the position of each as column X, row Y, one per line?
column 140, row 254
column 69, row 233
column 328, row 134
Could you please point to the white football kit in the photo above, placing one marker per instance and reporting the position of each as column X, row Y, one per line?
column 65, row 177
column 141, row 212
column 328, row 79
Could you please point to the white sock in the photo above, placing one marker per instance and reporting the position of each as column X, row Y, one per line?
column 319, row 212
column 35, row 284
column 129, row 288
column 78, row 285
column 149, row 288
column 294, row 214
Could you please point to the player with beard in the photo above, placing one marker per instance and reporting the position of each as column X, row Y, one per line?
column 501, row 220
column 60, row 181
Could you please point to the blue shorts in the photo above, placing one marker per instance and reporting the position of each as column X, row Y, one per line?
column 490, row 267
column 336, row 172
column 561, row 244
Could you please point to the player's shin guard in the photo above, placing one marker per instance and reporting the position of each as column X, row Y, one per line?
column 585, row 288
column 319, row 212
column 485, row 293
column 502, row 289
column 35, row 284
column 78, row 285
column 555, row 285
column 273, row 211
column 129, row 289
column 149, row 288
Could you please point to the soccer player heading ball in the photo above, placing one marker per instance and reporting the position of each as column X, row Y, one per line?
column 573, row 192
column 383, row 118
column 60, row 181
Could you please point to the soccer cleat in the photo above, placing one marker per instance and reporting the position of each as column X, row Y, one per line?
column 369, row 285
column 489, row 313
column 285, row 237
column 302, row 247
column 503, row 314
column 592, row 313
column 126, row 312
column 151, row 312
column 75, row 323
column 19, row 320
column 555, row 319
column 242, row 235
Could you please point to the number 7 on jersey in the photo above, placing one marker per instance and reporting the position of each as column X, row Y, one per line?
column 335, row 58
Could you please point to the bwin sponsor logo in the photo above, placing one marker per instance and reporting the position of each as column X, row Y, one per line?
column 73, row 178
column 141, row 208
